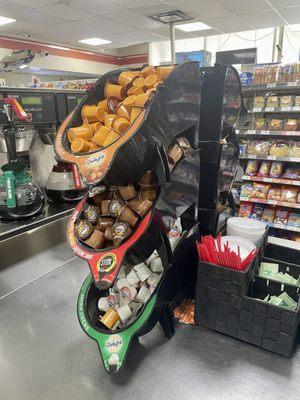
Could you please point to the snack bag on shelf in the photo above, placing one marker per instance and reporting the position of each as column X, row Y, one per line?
column 268, row 215
column 272, row 101
column 298, row 197
column 274, row 194
column 246, row 190
column 291, row 173
column 258, row 102
column 279, row 148
column 286, row 73
column 270, row 73
column 295, row 72
column 297, row 101
column 275, row 124
column 294, row 150
column 281, row 217
column 286, row 101
column 292, row 124
column 260, row 190
column 252, row 167
column 294, row 220
column 245, row 210
column 264, row 169
column 260, row 124
column 257, row 212
column 276, row 169
column 257, row 76
column 258, row 147
column 289, row 194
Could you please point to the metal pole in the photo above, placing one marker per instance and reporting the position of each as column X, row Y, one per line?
column 277, row 44
column 172, row 42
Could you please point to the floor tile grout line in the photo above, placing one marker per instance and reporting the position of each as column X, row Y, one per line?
column 35, row 279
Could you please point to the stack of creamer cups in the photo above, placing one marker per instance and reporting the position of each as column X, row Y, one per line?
column 131, row 290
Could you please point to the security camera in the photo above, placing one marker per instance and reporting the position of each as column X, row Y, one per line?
column 44, row 53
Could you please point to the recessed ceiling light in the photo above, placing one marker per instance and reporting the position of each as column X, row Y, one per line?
column 5, row 20
column 94, row 41
column 58, row 47
column 194, row 26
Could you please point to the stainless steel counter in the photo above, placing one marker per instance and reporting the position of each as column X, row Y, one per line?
column 44, row 354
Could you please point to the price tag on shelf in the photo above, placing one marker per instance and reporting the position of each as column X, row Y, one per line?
column 271, row 85
column 271, row 157
column 256, row 109
column 251, row 155
column 296, row 108
column 268, row 109
column 292, row 84
column 286, row 108
column 250, row 132
column 265, row 132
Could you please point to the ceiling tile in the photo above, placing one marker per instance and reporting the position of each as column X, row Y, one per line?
column 291, row 14
column 229, row 24
column 201, row 9
column 67, row 12
column 136, row 3
column 245, row 7
column 97, row 7
column 284, row 3
column 143, row 36
column 18, row 27
column 21, row 13
column 135, row 20
column 108, row 25
column 151, row 10
column 263, row 19
column 34, row 3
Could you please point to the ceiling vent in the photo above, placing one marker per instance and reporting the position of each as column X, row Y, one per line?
column 171, row 16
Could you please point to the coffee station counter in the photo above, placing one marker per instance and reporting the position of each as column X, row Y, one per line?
column 50, row 213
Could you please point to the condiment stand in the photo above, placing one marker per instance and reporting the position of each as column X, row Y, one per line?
column 173, row 112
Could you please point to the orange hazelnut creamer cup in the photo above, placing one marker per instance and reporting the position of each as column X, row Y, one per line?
column 120, row 124
column 116, row 91
column 80, row 145
column 101, row 135
column 92, row 113
column 108, row 119
column 126, row 77
column 82, row 131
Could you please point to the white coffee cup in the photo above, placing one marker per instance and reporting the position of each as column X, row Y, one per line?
column 132, row 278
column 103, row 304
column 143, row 272
column 144, row 294
column 122, row 282
column 156, row 265
column 124, row 312
column 128, row 293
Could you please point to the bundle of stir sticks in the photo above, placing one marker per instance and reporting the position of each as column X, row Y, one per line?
column 212, row 251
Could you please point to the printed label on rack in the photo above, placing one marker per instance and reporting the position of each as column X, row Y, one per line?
column 256, row 109
column 292, row 84
column 250, row 132
column 296, row 108
column 271, row 157
column 268, row 109
column 271, row 85
column 265, row 132
column 286, row 108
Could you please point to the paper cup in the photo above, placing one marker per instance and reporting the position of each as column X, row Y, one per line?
column 128, row 293
column 121, row 283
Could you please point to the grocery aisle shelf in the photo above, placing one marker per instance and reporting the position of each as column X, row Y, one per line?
column 271, row 202
column 271, row 158
column 246, row 132
column 270, row 180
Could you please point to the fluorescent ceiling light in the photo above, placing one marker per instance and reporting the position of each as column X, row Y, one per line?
column 94, row 41
column 58, row 47
column 294, row 27
column 23, row 66
column 5, row 20
column 193, row 26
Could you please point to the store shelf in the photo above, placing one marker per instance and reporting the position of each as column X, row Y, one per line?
column 271, row 158
column 244, row 132
column 282, row 86
column 284, row 227
column 284, row 242
column 270, row 202
column 271, row 180
column 275, row 110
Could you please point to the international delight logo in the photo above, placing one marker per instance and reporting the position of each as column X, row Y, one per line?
column 114, row 343
column 95, row 160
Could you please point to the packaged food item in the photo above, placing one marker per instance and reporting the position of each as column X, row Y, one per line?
column 294, row 150
column 274, row 194
column 257, row 212
column 286, row 70
column 275, row 124
column 260, row 124
column 291, row 173
column 279, row 148
column 245, row 210
column 272, row 101
column 281, row 217
column 268, row 215
column 260, row 190
column 258, row 102
column 298, row 197
column 264, row 169
column 257, row 75
column 276, row 169
column 270, row 73
column 258, row 147
column 294, row 220
column 292, row 124
column 286, row 101
column 295, row 72
column 297, row 101
column 252, row 167
column 289, row 194
column 243, row 148
column 247, row 189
